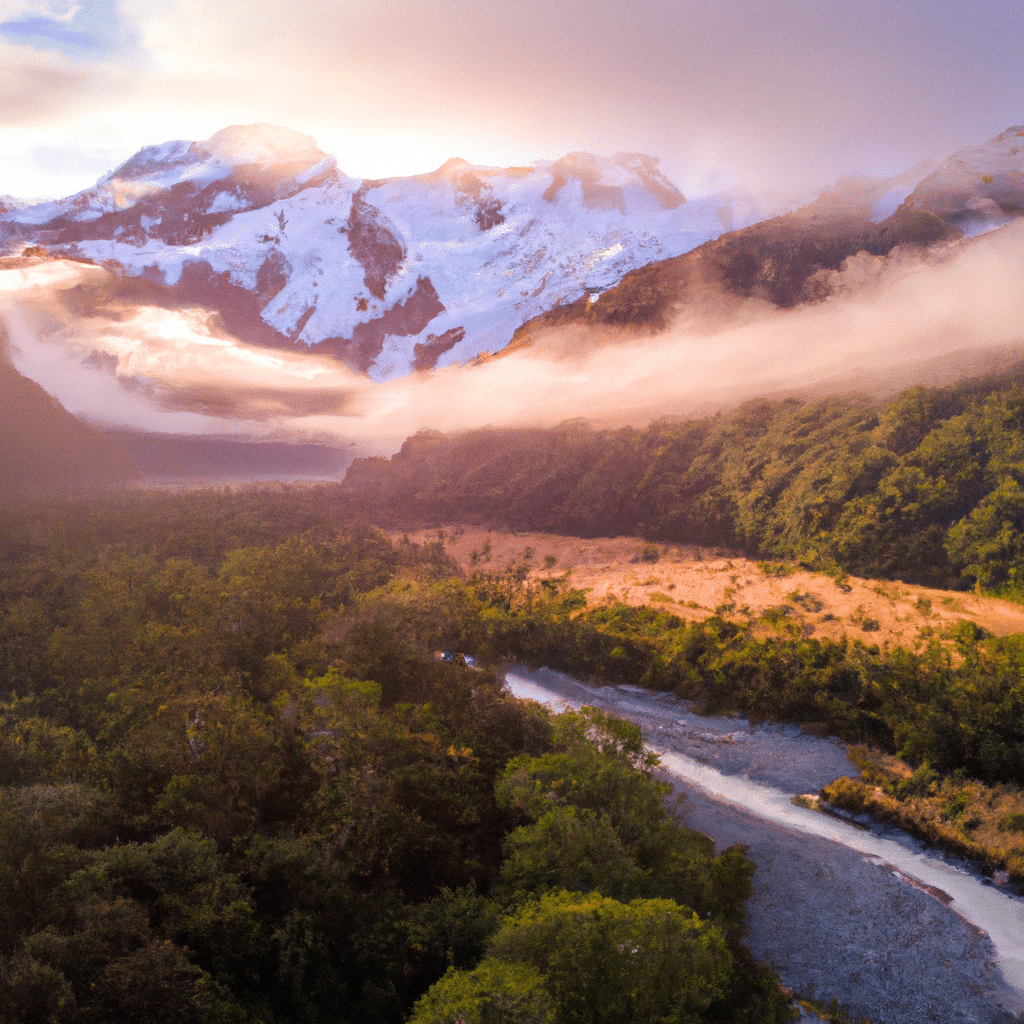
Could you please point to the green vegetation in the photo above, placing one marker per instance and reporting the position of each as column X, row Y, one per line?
column 603, row 960
column 928, row 488
column 964, row 816
column 236, row 786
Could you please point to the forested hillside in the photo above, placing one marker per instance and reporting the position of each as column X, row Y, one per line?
column 928, row 487
column 237, row 786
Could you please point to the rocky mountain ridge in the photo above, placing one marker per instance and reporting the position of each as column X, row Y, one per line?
column 399, row 275
column 794, row 258
column 390, row 276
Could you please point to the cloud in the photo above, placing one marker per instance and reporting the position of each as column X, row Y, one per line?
column 157, row 369
column 787, row 91
column 89, row 29
column 890, row 323
column 38, row 87
column 64, row 72
column 56, row 10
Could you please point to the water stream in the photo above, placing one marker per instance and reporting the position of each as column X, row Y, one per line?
column 964, row 891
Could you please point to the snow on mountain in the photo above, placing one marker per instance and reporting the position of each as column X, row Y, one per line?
column 390, row 276
column 898, row 190
column 979, row 187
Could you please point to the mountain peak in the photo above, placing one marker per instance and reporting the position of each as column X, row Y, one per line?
column 260, row 144
column 453, row 165
column 1015, row 131
column 605, row 181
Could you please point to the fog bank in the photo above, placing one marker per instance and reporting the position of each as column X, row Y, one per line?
column 889, row 322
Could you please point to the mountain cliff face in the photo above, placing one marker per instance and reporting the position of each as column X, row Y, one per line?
column 389, row 276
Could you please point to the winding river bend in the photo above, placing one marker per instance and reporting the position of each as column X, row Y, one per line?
column 896, row 932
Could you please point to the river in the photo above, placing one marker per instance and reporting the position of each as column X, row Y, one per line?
column 895, row 931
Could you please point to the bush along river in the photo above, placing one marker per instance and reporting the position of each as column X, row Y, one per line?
column 849, row 910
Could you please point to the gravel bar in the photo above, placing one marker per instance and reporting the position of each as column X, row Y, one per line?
column 833, row 922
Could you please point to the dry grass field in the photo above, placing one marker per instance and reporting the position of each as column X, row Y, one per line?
column 695, row 583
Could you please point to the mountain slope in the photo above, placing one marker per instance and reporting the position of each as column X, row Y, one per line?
column 781, row 260
column 778, row 260
column 44, row 448
column 979, row 187
column 390, row 276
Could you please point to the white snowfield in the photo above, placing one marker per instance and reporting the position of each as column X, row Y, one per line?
column 460, row 257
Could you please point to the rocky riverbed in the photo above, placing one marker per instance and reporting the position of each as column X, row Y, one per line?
column 833, row 921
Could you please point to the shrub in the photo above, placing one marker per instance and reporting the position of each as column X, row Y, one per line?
column 846, row 793
column 1012, row 822
column 955, row 806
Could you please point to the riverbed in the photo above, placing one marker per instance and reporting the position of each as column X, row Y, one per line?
column 868, row 916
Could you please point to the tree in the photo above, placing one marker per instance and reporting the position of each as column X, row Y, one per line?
column 606, row 962
column 34, row 993
column 600, row 822
column 570, row 848
column 495, row 993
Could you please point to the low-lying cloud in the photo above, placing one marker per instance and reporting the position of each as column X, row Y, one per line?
column 889, row 323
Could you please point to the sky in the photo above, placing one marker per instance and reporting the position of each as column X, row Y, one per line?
column 781, row 96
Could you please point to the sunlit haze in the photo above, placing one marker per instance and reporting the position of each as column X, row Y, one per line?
column 784, row 95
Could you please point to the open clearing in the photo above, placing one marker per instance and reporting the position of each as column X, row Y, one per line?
column 695, row 583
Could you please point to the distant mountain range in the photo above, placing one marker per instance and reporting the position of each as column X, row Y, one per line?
column 404, row 274
column 389, row 276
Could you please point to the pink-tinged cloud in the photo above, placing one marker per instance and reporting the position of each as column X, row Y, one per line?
column 890, row 323
column 787, row 94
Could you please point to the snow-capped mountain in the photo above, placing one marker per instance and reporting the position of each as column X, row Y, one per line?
column 796, row 258
column 977, row 189
column 390, row 276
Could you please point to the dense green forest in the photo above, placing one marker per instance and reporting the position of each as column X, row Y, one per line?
column 928, row 487
column 236, row 786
